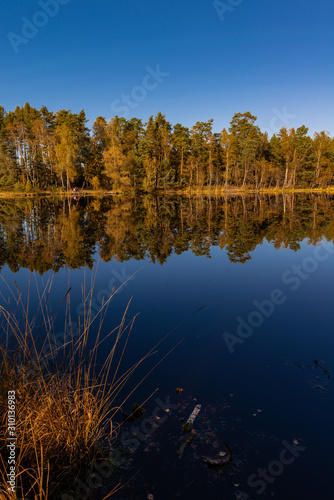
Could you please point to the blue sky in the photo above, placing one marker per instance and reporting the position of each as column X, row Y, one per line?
column 274, row 59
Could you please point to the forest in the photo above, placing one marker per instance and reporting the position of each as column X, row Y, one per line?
column 45, row 151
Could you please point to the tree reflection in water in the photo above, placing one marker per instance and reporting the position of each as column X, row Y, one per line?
column 42, row 233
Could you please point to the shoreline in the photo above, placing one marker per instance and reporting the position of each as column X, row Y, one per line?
column 173, row 192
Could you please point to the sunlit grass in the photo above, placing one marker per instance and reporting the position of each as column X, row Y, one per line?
column 65, row 401
column 190, row 190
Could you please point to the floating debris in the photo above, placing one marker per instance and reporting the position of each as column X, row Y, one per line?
column 190, row 422
column 323, row 368
column 317, row 363
column 136, row 414
column 239, row 495
column 217, row 458
column 188, row 427
column 137, row 410
column 181, row 450
column 318, row 387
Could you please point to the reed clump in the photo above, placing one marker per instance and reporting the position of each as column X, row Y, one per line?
column 64, row 397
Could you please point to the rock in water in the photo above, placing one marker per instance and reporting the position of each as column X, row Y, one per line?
column 218, row 457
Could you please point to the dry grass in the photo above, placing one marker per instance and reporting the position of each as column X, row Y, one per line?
column 189, row 191
column 65, row 401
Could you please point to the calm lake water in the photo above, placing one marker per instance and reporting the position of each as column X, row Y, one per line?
column 244, row 287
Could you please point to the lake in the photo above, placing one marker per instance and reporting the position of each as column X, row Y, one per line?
column 241, row 290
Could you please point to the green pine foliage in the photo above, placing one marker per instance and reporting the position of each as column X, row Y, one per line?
column 43, row 150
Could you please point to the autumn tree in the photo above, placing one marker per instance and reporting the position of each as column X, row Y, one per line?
column 66, row 152
column 248, row 140
column 203, row 143
column 180, row 154
column 228, row 142
column 94, row 168
column 323, row 152
column 156, row 151
column 115, row 161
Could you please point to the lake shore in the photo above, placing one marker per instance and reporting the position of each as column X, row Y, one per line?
column 187, row 191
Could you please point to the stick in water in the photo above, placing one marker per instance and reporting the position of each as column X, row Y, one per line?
column 190, row 422
column 187, row 428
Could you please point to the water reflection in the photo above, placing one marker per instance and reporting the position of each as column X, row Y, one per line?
column 257, row 391
column 42, row 234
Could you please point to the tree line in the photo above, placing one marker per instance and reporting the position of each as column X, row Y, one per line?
column 41, row 234
column 40, row 149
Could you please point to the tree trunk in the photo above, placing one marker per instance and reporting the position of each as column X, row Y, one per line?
column 286, row 175
column 226, row 171
column 181, row 167
column 245, row 176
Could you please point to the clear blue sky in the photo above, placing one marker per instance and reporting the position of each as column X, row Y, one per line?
column 272, row 58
